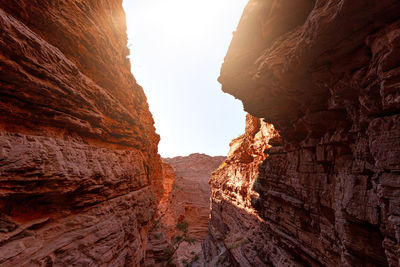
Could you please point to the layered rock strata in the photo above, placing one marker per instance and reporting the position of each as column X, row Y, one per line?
column 185, row 200
column 326, row 75
column 192, row 190
column 237, row 235
column 191, row 202
column 163, row 228
column 78, row 150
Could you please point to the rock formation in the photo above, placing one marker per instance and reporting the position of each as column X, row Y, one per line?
column 326, row 192
column 192, row 190
column 78, row 150
column 190, row 202
column 236, row 234
column 313, row 181
column 185, row 199
column 163, row 229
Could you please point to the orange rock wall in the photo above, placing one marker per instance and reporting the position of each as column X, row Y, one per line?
column 192, row 200
column 163, row 228
column 185, row 198
column 326, row 75
column 237, row 235
column 78, row 150
column 192, row 190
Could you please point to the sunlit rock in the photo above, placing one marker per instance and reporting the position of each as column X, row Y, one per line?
column 326, row 75
column 78, row 150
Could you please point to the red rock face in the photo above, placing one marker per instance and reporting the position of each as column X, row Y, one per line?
column 192, row 191
column 327, row 76
column 78, row 150
column 192, row 199
column 163, row 228
column 185, row 198
column 237, row 236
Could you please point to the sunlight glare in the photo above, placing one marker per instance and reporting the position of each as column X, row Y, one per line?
column 185, row 21
column 176, row 49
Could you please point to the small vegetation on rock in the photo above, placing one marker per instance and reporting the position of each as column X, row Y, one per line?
column 167, row 255
column 222, row 259
column 192, row 261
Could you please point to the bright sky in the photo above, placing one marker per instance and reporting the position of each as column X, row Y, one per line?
column 177, row 48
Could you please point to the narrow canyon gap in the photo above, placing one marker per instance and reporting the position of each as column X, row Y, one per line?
column 313, row 181
column 177, row 48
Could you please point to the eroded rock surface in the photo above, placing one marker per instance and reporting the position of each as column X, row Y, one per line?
column 163, row 228
column 192, row 189
column 192, row 199
column 78, row 150
column 185, row 200
column 326, row 75
column 237, row 235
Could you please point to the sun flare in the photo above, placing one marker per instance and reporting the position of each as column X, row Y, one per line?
column 176, row 50
column 186, row 20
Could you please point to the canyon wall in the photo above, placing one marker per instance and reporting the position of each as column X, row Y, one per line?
column 192, row 190
column 78, row 150
column 192, row 200
column 185, row 201
column 237, row 236
column 323, row 189
column 163, row 228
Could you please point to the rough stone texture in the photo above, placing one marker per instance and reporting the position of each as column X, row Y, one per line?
column 78, row 150
column 192, row 190
column 237, row 236
column 166, row 206
column 192, row 199
column 163, row 229
column 185, row 198
column 326, row 75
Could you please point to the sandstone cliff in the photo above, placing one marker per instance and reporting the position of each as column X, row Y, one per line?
column 237, row 235
column 163, row 228
column 191, row 200
column 326, row 75
column 78, row 150
column 192, row 189
column 185, row 199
